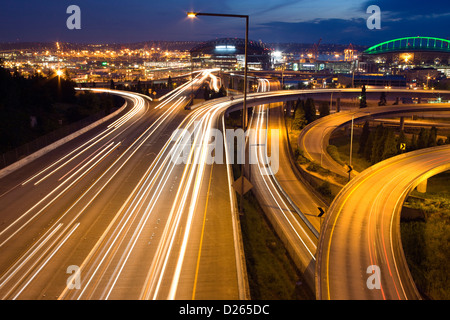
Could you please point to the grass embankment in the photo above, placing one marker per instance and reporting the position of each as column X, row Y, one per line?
column 325, row 188
column 340, row 147
column 426, row 241
column 271, row 272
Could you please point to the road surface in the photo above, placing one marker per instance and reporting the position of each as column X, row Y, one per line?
column 313, row 139
column 112, row 210
column 362, row 230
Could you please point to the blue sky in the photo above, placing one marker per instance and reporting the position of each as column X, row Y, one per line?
column 107, row 21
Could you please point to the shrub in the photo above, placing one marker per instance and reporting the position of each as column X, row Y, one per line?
column 325, row 189
column 313, row 167
column 334, row 153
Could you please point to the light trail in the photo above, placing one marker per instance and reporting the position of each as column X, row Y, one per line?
column 54, row 251
column 128, row 251
column 266, row 174
column 114, row 253
column 139, row 105
column 52, row 200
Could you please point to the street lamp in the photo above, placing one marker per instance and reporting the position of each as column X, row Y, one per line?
column 246, row 17
column 244, row 108
column 351, row 142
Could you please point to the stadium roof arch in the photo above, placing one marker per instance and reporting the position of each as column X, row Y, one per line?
column 410, row 44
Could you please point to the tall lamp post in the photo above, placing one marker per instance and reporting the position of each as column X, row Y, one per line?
column 244, row 109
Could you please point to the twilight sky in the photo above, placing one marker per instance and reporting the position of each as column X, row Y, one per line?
column 304, row 21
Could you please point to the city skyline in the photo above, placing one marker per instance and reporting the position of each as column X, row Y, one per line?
column 273, row 21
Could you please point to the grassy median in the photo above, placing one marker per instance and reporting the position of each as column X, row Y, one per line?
column 272, row 274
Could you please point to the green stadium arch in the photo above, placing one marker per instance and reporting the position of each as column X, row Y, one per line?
column 411, row 44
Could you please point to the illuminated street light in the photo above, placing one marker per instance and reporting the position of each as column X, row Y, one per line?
column 59, row 73
column 244, row 108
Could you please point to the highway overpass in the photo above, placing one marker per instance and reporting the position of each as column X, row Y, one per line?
column 360, row 254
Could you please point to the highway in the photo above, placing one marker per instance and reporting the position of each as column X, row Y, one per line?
column 286, row 201
column 300, row 244
column 112, row 208
column 362, row 229
column 281, row 194
column 313, row 139
column 279, row 207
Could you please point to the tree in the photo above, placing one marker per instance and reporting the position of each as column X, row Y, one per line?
column 413, row 143
column 369, row 146
column 432, row 137
column 299, row 104
column 364, row 137
column 299, row 121
column 112, row 85
column 422, row 140
column 378, row 144
column 206, row 93
column 310, row 110
column 324, row 109
column 389, row 145
column 139, row 86
column 363, row 98
column 222, row 91
column 382, row 101
column 325, row 189
column 170, row 83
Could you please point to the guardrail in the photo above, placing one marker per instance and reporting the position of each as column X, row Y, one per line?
column 17, row 158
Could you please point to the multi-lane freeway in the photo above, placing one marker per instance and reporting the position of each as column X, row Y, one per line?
column 112, row 214
column 367, row 235
column 113, row 210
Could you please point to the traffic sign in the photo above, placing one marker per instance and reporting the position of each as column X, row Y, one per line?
column 237, row 185
column 402, row 146
column 321, row 211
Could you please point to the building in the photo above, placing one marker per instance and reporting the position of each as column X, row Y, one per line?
column 395, row 56
column 229, row 54
column 372, row 80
